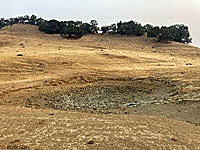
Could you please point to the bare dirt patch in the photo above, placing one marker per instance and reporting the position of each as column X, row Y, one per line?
column 141, row 96
column 110, row 95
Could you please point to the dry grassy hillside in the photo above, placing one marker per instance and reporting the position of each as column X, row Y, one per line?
column 109, row 86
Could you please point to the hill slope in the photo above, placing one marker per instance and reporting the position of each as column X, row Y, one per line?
column 102, row 74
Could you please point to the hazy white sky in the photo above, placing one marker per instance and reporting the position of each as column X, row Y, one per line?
column 156, row 12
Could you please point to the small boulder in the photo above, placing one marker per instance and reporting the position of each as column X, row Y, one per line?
column 90, row 142
column 173, row 139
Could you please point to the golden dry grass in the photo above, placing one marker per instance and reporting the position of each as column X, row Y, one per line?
column 50, row 63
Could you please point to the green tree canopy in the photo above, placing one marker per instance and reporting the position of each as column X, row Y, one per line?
column 165, row 34
column 105, row 29
column 94, row 26
column 180, row 33
column 130, row 28
column 72, row 30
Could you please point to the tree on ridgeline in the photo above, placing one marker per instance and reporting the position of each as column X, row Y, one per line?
column 33, row 19
column 50, row 27
column 164, row 34
column 1, row 22
column 76, row 29
column 11, row 21
column 86, row 28
column 130, row 28
column 72, row 30
column 180, row 33
column 113, row 28
column 94, row 26
column 39, row 21
column 105, row 29
column 21, row 19
column 153, row 32
column 147, row 27
column 26, row 19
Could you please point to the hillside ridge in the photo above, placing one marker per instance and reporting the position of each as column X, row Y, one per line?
column 97, row 92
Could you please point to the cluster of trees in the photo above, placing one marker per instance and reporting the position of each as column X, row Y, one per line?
column 67, row 29
column 126, row 28
column 21, row 19
column 76, row 29
column 179, row 33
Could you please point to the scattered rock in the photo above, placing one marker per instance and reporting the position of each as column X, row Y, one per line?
column 107, row 98
column 165, row 102
column 173, row 139
column 90, row 142
column 54, row 84
column 135, row 104
column 176, row 93
column 51, row 114
column 19, row 54
column 126, row 112
column 15, row 141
